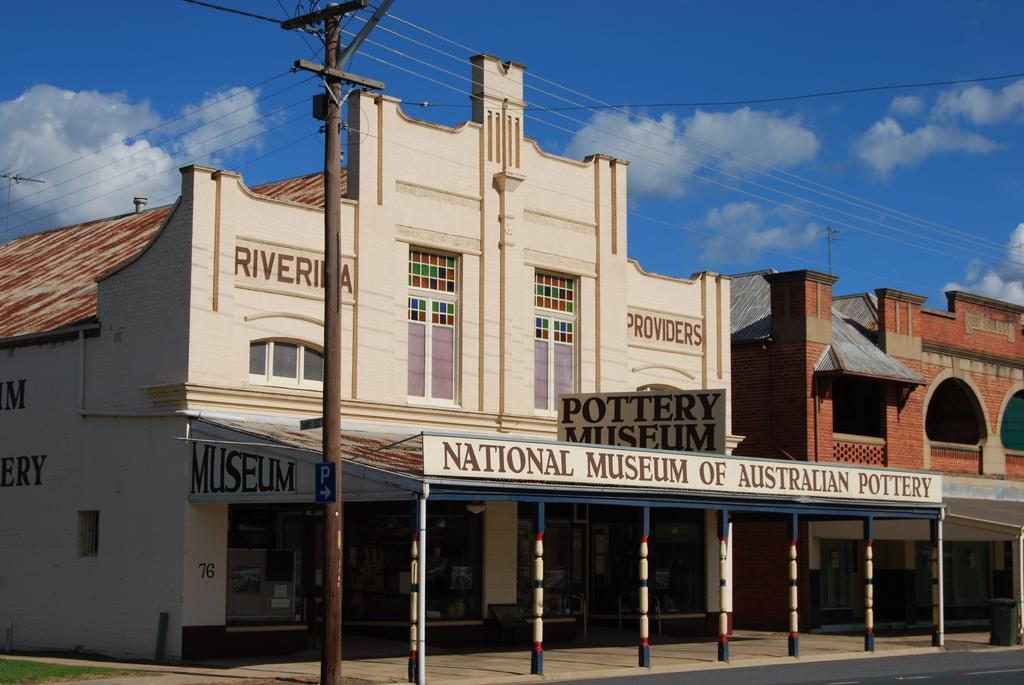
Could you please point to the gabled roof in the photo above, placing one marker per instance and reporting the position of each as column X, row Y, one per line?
column 854, row 348
column 48, row 279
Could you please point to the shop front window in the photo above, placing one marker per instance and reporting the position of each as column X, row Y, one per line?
column 677, row 560
column 837, row 567
column 559, row 571
column 264, row 564
column 377, row 562
column 453, row 561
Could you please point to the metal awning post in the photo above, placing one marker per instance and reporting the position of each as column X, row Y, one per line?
column 645, row 634
column 794, row 616
column 537, row 655
column 869, row 584
column 723, row 584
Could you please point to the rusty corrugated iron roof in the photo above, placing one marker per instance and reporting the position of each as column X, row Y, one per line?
column 48, row 279
column 307, row 190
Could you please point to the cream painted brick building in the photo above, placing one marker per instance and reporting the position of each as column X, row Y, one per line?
column 202, row 307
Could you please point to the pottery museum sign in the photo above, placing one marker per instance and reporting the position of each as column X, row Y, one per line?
column 468, row 457
column 683, row 421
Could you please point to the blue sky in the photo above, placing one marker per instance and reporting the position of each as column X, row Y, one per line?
column 944, row 162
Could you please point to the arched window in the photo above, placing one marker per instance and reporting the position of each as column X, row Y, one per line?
column 1012, row 432
column 284, row 362
column 953, row 414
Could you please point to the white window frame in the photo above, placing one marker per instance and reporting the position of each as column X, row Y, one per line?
column 268, row 377
column 553, row 315
column 432, row 296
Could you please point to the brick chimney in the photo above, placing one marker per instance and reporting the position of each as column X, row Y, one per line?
column 801, row 306
column 800, row 424
column 899, row 323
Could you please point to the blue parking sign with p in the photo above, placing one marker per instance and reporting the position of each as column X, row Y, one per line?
column 326, row 482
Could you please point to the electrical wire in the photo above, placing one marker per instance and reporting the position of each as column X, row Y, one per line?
column 832, row 193
column 232, row 10
column 722, row 172
column 174, row 165
column 160, row 143
column 144, row 131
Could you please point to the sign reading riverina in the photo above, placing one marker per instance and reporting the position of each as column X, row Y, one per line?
column 684, row 421
column 508, row 460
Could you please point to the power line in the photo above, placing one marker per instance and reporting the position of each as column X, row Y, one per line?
column 713, row 181
column 163, row 124
column 232, row 10
column 699, row 164
column 789, row 98
column 863, row 203
column 160, row 143
column 171, row 167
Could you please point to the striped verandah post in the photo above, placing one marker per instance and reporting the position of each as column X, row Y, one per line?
column 645, row 634
column 938, row 610
column 869, row 584
column 537, row 655
column 723, row 584
column 794, row 616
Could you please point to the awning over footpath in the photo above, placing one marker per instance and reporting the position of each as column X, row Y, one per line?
column 993, row 519
column 270, row 459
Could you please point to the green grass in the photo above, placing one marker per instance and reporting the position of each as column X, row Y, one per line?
column 18, row 671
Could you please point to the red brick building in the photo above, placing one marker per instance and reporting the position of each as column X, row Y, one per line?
column 879, row 379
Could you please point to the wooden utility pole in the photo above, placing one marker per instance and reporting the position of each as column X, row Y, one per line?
column 330, row 657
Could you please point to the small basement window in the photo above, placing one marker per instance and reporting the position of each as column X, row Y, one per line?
column 88, row 533
column 282, row 362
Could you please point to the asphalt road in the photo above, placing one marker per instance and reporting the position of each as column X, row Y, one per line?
column 948, row 668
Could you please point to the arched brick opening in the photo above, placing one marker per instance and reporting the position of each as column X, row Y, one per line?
column 954, row 415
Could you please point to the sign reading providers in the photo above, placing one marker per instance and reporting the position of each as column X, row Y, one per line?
column 487, row 459
column 683, row 421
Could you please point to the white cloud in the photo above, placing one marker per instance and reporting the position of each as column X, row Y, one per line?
column 664, row 152
column 885, row 145
column 1005, row 282
column 744, row 229
column 907, row 105
column 230, row 118
column 80, row 143
column 980, row 106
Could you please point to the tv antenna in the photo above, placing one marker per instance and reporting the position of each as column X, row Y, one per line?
column 12, row 179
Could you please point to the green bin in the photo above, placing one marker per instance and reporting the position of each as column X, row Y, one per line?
column 1003, row 622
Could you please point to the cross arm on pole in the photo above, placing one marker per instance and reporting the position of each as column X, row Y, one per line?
column 338, row 74
column 321, row 15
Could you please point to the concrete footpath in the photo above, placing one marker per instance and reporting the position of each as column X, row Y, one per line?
column 605, row 654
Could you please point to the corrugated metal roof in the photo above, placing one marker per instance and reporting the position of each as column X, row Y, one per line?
column 750, row 306
column 48, row 280
column 854, row 329
column 307, row 190
column 860, row 310
column 853, row 352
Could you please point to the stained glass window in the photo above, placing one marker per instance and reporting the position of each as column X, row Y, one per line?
column 557, row 293
column 432, row 271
